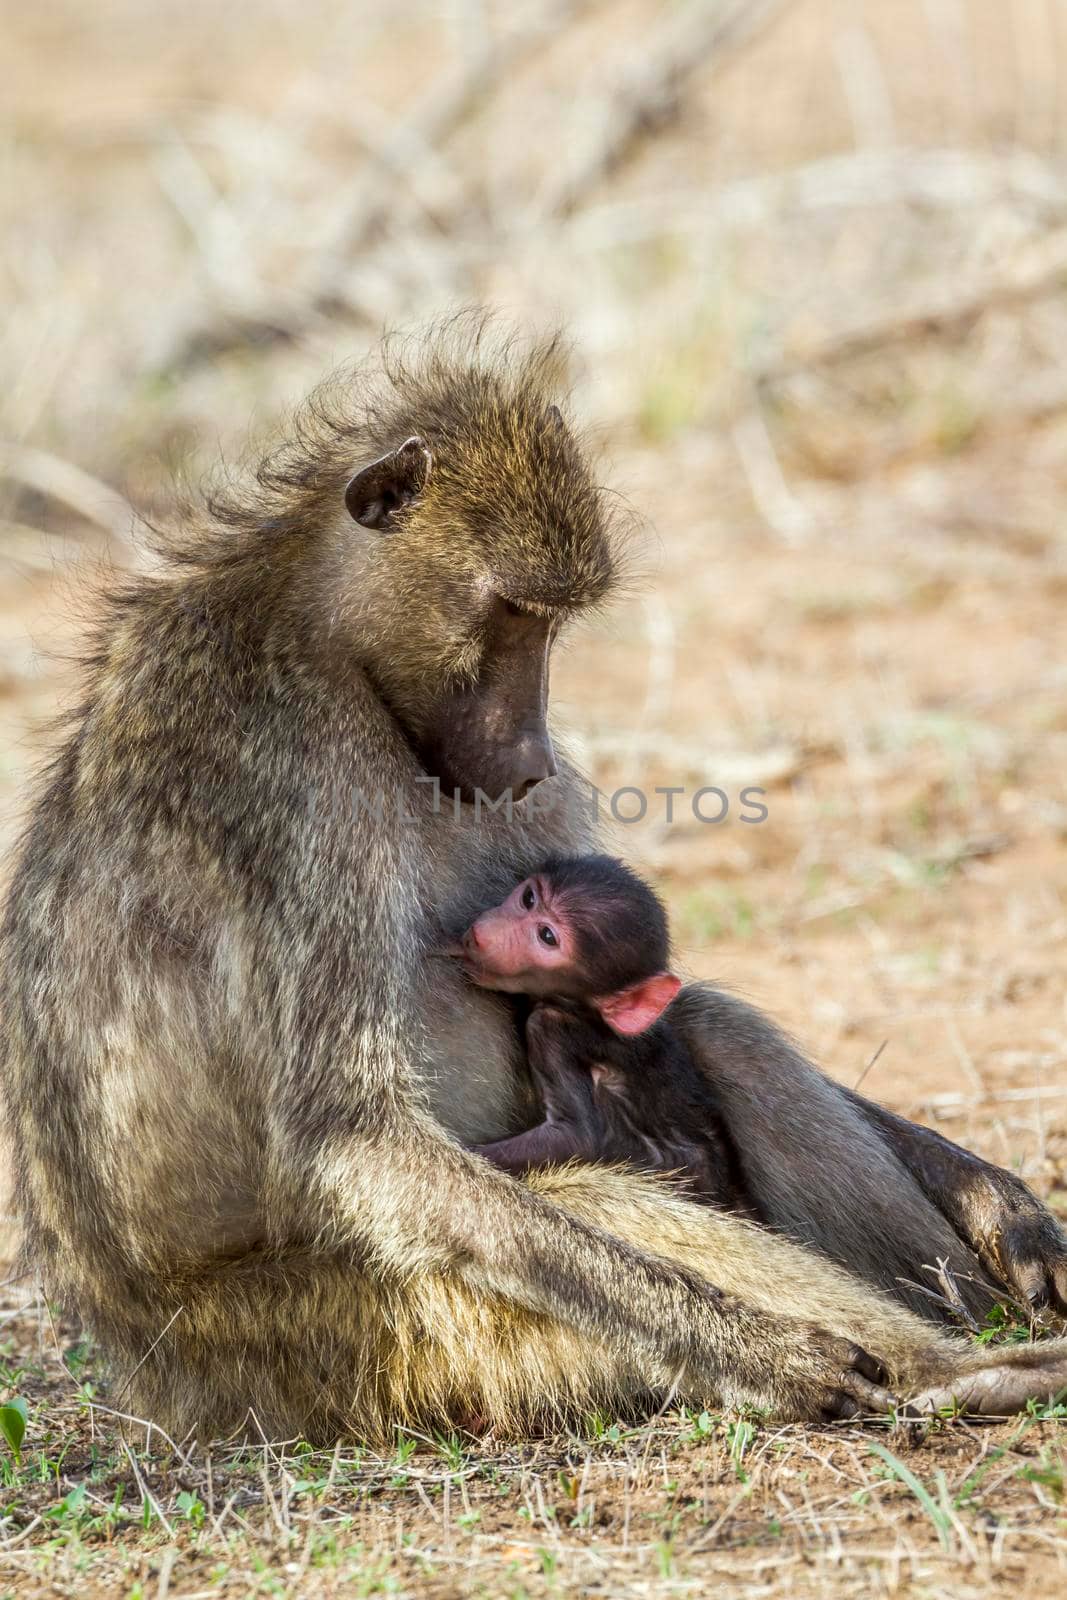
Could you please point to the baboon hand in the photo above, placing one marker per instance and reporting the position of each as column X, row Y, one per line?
column 824, row 1378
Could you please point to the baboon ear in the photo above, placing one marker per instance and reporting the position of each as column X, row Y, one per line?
column 554, row 418
column 379, row 491
column 634, row 1009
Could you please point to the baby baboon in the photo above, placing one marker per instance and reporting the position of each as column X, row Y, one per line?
column 588, row 940
column 240, row 1079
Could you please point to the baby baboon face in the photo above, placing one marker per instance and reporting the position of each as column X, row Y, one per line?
column 581, row 928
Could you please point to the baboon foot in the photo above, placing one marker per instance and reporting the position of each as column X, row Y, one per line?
column 1030, row 1252
column 997, row 1391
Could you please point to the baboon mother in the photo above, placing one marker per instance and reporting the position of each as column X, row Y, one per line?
column 240, row 1079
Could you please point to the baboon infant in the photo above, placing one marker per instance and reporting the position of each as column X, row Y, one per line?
column 587, row 941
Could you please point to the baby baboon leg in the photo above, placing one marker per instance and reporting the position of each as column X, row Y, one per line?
column 1017, row 1238
column 815, row 1166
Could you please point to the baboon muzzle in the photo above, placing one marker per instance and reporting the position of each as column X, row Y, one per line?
column 493, row 737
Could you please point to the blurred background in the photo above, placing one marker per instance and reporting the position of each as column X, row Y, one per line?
column 813, row 258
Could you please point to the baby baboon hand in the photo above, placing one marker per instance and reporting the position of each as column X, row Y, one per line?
column 547, row 1021
column 825, row 1377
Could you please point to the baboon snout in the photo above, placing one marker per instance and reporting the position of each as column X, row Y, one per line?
column 533, row 760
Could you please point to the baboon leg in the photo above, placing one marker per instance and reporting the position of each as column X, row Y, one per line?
column 999, row 1381
column 317, row 1348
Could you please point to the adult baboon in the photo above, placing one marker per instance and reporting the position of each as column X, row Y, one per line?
column 239, row 1077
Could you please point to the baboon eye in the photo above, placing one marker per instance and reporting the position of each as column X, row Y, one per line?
column 529, row 899
column 546, row 935
column 512, row 610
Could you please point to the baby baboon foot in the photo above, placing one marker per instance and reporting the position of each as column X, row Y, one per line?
column 998, row 1391
column 1018, row 1239
column 1030, row 1254
column 826, row 1378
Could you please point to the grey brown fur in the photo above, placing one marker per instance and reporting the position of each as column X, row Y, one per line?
column 239, row 1077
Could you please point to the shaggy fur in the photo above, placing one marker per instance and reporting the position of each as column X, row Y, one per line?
column 238, row 1076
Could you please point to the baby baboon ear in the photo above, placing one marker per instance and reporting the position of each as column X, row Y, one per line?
column 377, row 492
column 554, row 418
column 632, row 1010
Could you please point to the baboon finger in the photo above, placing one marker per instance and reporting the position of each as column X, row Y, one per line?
column 853, row 1358
column 1059, row 1282
column 1031, row 1283
column 866, row 1365
column 853, row 1395
column 839, row 1407
column 1033, row 1258
column 857, row 1397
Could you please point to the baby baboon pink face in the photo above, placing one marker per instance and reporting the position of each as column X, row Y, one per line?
column 525, row 945
column 575, row 933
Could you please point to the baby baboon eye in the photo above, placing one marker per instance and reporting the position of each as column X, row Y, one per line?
column 529, row 899
column 547, row 935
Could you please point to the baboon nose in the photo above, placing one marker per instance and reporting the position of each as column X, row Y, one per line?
column 534, row 762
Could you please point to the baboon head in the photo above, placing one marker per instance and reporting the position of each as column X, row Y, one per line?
column 472, row 535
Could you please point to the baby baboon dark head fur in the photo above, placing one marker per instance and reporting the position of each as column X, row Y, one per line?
column 619, row 920
column 446, row 524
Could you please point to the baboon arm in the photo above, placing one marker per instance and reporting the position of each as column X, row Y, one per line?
column 419, row 1202
column 1016, row 1237
column 571, row 1128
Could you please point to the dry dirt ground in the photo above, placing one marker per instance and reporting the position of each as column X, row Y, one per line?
column 851, row 596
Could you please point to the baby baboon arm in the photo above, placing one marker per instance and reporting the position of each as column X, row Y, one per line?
column 416, row 1202
column 572, row 1128
column 1015, row 1236
column 550, row 1144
